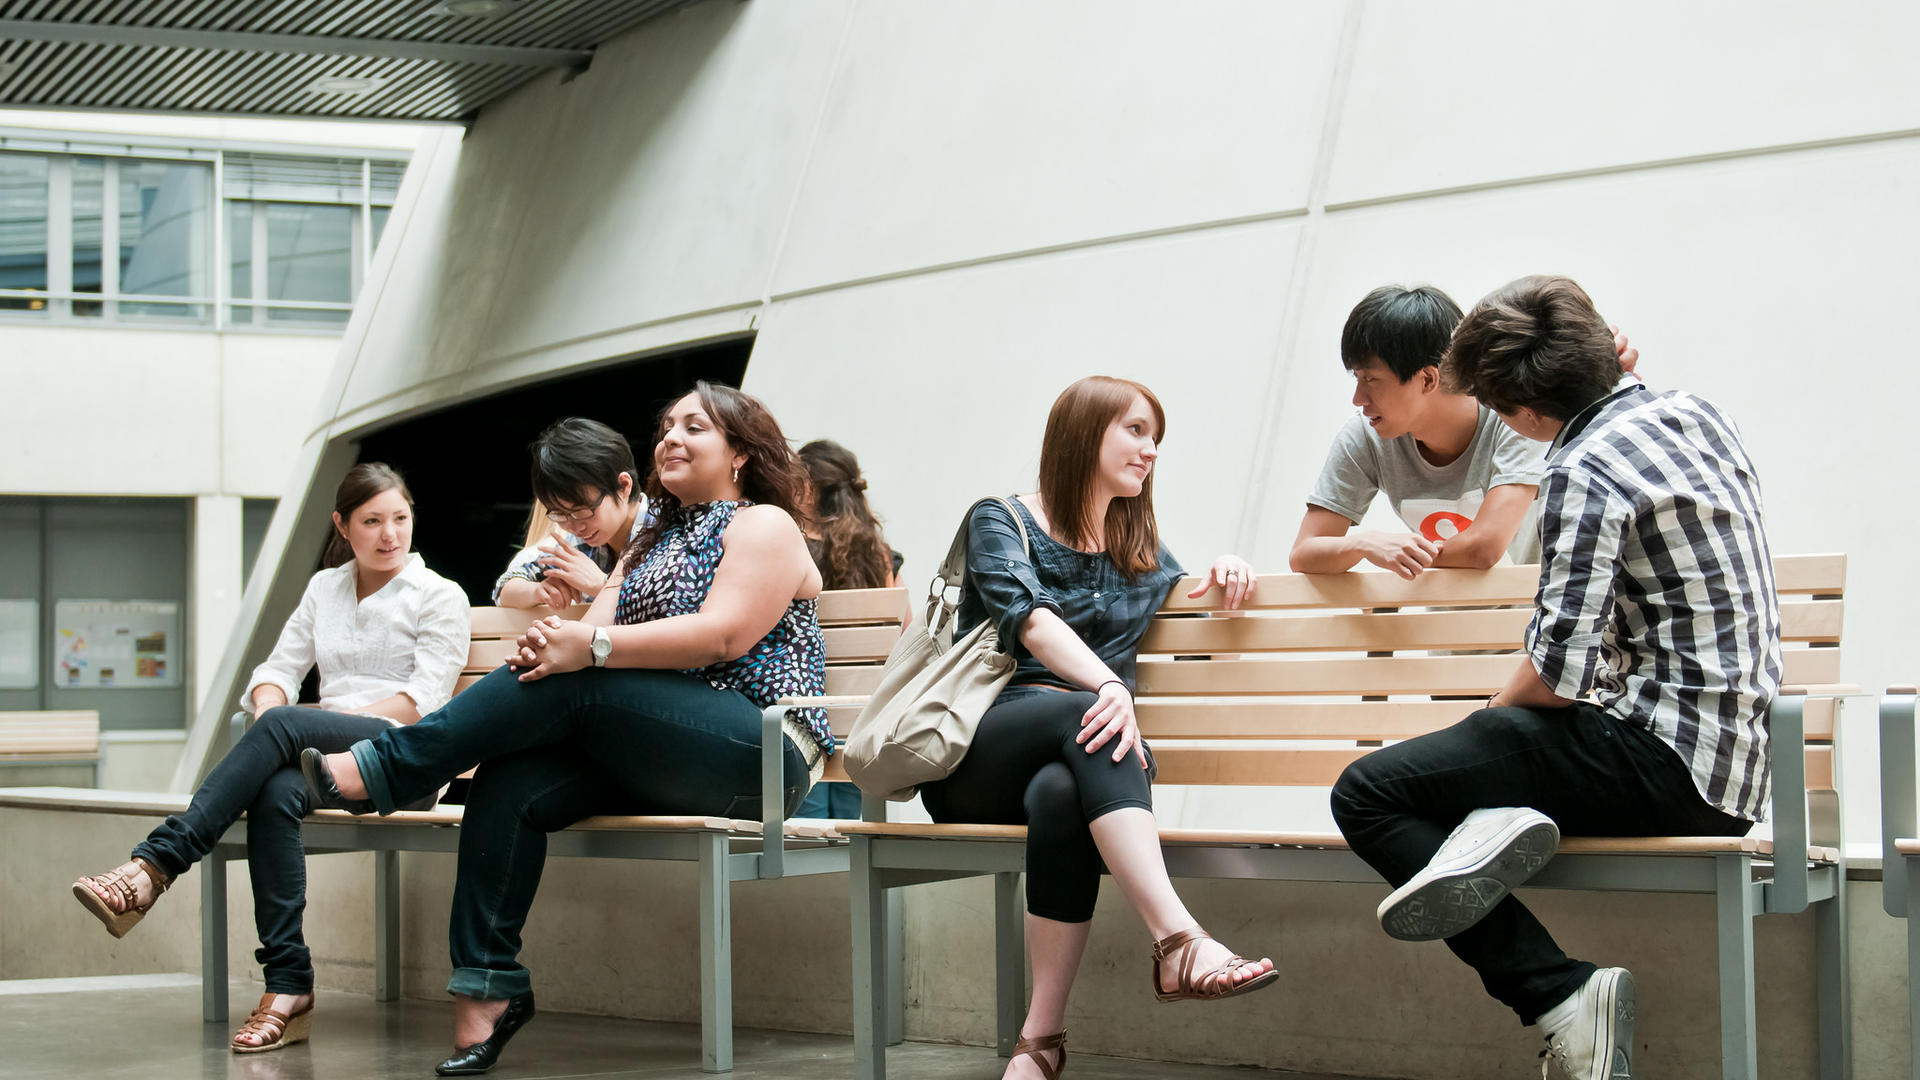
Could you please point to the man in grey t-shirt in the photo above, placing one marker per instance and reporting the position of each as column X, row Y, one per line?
column 1461, row 481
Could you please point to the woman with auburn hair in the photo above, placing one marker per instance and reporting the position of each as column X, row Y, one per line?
column 648, row 705
column 1071, row 587
column 389, row 637
column 852, row 553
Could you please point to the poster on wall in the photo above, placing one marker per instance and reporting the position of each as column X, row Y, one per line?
column 116, row 644
column 19, row 640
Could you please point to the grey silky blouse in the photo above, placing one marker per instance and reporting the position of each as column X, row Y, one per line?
column 1106, row 608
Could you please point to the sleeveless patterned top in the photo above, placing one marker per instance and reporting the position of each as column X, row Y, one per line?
column 674, row 578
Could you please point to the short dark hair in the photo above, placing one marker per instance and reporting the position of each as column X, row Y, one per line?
column 1536, row 343
column 576, row 461
column 1407, row 329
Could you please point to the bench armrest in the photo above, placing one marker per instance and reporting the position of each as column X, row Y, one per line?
column 1897, row 812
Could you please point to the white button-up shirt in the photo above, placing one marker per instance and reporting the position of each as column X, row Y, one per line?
column 408, row 638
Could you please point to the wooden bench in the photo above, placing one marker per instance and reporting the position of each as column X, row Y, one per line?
column 68, row 739
column 859, row 627
column 1324, row 668
column 1900, row 836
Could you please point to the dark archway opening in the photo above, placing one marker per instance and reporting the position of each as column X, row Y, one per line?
column 467, row 465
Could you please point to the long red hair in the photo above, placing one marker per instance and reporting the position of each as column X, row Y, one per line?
column 1069, row 458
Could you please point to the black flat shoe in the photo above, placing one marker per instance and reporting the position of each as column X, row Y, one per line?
column 481, row 1056
column 320, row 785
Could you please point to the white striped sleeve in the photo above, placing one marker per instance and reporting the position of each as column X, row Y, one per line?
column 1582, row 525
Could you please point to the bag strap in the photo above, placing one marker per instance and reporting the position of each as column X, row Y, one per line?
column 953, row 570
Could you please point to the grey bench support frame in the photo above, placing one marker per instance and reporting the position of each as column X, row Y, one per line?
column 1743, row 885
column 1898, row 872
column 723, row 859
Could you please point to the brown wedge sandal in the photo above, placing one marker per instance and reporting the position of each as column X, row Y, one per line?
column 1039, row 1045
column 119, row 882
column 276, row 1029
column 1211, row 985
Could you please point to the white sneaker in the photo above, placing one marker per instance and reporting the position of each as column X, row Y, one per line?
column 1590, row 1035
column 1483, row 860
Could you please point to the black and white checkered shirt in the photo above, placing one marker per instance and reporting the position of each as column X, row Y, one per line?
column 1656, row 585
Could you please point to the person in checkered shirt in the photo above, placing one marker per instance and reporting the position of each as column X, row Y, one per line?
column 1640, row 705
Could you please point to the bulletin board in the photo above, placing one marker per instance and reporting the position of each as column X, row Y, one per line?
column 109, row 644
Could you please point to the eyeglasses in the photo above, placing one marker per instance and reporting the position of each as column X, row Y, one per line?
column 574, row 517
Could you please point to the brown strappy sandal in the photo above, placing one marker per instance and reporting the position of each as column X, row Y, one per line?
column 117, row 881
column 276, row 1029
column 1211, row 985
column 1039, row 1045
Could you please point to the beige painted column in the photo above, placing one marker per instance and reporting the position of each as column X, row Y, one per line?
column 215, row 589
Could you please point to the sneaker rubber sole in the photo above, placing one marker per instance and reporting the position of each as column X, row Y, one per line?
column 1617, row 1000
column 1435, row 905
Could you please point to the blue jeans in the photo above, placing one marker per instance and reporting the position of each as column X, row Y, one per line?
column 556, row 750
column 838, row 799
column 260, row 777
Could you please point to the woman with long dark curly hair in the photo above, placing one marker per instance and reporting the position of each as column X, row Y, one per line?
column 650, row 704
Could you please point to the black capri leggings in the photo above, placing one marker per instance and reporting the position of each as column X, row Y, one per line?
column 1025, row 768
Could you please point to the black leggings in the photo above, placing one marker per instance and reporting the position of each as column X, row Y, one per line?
column 1025, row 768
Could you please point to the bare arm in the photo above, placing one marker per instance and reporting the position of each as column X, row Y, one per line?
column 267, row 696
column 1526, row 689
column 1324, row 546
column 764, row 569
column 520, row 593
column 1481, row 544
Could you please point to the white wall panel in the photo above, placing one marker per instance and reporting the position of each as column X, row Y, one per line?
column 109, row 412
column 1446, row 95
column 957, row 131
column 941, row 383
column 268, row 387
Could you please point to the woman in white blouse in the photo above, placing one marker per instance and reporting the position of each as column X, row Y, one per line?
column 390, row 637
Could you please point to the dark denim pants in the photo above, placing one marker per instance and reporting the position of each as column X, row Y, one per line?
column 562, row 748
column 260, row 777
column 1593, row 774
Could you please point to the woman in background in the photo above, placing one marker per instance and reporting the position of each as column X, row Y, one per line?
column 389, row 637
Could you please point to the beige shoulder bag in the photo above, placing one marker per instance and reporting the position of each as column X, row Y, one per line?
column 933, row 690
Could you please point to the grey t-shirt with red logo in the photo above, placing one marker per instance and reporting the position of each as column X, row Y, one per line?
column 1437, row 501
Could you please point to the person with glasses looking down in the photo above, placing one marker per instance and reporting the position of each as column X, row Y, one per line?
column 583, row 475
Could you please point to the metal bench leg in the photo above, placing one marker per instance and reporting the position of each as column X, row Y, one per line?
column 716, row 957
column 1739, row 1048
column 1010, row 959
column 386, row 926
column 896, row 981
column 1913, row 967
column 873, row 970
column 1836, row 1006
column 213, row 937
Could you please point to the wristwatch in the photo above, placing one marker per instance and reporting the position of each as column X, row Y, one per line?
column 602, row 646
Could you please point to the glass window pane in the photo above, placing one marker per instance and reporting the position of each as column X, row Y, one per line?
column 165, row 234
column 23, row 229
column 240, row 259
column 379, row 223
column 89, row 191
column 309, row 257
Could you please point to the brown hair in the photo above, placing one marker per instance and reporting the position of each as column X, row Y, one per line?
column 771, row 475
column 362, row 482
column 1536, row 343
column 1069, row 456
column 853, row 552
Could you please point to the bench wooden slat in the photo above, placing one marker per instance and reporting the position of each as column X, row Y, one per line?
column 492, row 622
column 1479, row 675
column 1243, row 718
column 1494, row 628
column 865, row 643
column 1245, row 766
column 54, row 735
column 862, row 606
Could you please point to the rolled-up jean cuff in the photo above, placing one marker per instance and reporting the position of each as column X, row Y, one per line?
column 372, row 775
column 489, row 985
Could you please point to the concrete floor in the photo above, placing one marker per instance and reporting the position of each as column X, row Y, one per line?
column 147, row 1027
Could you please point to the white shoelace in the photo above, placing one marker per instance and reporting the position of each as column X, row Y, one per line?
column 1556, row 1051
